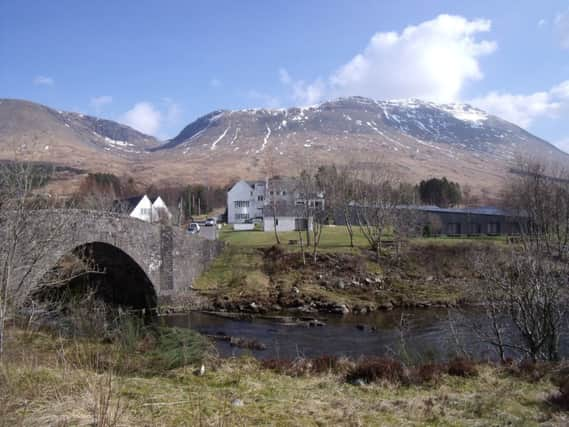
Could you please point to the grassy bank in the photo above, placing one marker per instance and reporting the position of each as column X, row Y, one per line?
column 55, row 381
column 428, row 272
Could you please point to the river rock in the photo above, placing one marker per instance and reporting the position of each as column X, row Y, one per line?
column 295, row 290
column 386, row 306
column 276, row 307
column 340, row 284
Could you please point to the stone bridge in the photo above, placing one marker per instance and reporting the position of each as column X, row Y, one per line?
column 143, row 263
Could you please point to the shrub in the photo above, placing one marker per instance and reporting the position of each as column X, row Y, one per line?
column 177, row 347
column 306, row 366
column 427, row 373
column 460, row 367
column 561, row 399
column 378, row 368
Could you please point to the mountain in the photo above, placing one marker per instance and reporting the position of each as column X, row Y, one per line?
column 419, row 139
column 33, row 131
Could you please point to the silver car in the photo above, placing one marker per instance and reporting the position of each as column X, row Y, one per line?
column 194, row 228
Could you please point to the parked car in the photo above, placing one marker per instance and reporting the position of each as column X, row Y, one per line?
column 210, row 222
column 194, row 228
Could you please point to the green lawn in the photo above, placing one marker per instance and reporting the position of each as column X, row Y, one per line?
column 334, row 238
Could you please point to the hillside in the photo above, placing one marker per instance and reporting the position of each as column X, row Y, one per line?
column 419, row 139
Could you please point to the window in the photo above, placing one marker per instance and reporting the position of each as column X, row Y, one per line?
column 283, row 193
column 241, row 216
column 475, row 229
column 493, row 228
column 260, row 198
column 241, row 203
column 453, row 228
column 145, row 211
column 272, row 192
column 299, row 202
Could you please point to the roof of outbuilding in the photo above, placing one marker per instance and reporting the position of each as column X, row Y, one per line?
column 132, row 202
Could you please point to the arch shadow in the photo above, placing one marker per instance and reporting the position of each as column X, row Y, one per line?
column 112, row 274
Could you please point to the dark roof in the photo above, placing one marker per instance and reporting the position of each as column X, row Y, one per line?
column 254, row 183
column 485, row 210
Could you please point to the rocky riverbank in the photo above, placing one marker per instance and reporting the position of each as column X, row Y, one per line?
column 278, row 281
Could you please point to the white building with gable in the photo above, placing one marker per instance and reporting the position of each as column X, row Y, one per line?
column 143, row 208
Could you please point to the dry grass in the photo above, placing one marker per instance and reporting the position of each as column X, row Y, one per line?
column 51, row 386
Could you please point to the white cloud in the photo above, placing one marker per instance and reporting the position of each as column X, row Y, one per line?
column 144, row 117
column 561, row 27
column 433, row 60
column 524, row 109
column 215, row 83
column 98, row 102
column 43, row 81
column 541, row 23
column 302, row 92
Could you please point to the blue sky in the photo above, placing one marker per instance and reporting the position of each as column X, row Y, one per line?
column 157, row 65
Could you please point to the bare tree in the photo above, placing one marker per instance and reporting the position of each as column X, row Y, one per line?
column 538, row 196
column 271, row 203
column 405, row 224
column 26, row 242
column 375, row 203
column 17, row 198
column 526, row 293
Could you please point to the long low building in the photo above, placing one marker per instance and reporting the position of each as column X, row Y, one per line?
column 452, row 221
column 469, row 221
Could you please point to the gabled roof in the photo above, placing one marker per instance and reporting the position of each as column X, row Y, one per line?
column 131, row 202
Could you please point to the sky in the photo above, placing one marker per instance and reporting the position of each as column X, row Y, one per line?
column 158, row 65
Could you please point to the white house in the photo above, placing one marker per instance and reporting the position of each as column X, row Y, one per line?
column 245, row 201
column 289, row 217
column 248, row 200
column 143, row 208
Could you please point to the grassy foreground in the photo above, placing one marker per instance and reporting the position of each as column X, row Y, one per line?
column 53, row 381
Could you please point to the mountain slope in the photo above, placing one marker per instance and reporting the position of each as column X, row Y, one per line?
column 33, row 130
column 419, row 139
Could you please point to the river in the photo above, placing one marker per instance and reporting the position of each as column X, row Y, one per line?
column 427, row 334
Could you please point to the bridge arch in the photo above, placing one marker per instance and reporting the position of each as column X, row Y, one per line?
column 169, row 258
column 108, row 271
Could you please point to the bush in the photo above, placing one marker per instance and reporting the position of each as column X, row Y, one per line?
column 177, row 347
column 306, row 366
column 378, row 368
column 461, row 367
column 561, row 399
column 427, row 373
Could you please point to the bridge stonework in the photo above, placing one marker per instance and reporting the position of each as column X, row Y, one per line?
column 170, row 257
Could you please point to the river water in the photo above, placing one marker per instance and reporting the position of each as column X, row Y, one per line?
column 417, row 334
